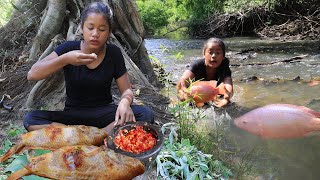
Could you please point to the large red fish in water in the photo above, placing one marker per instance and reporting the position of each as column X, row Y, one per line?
column 280, row 121
column 205, row 91
column 54, row 137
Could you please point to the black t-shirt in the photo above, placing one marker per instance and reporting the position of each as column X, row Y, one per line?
column 198, row 68
column 91, row 87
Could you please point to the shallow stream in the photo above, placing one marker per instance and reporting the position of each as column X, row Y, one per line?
column 260, row 78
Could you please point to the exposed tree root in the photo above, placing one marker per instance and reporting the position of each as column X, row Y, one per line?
column 49, row 27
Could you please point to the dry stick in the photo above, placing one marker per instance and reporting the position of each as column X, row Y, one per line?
column 173, row 30
column 290, row 60
column 5, row 57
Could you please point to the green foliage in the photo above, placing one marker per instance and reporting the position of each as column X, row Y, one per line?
column 187, row 16
column 200, row 10
column 153, row 14
column 236, row 5
column 6, row 9
column 174, row 14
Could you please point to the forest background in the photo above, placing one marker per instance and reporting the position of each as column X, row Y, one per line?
column 278, row 19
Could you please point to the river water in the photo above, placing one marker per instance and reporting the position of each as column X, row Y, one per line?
column 261, row 78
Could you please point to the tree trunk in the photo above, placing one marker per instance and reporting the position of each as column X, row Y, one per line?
column 130, row 33
column 49, row 27
column 22, row 24
column 60, row 22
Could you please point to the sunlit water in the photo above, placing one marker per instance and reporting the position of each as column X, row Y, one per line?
column 273, row 159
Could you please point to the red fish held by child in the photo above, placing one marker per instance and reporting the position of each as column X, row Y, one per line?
column 280, row 121
column 205, row 91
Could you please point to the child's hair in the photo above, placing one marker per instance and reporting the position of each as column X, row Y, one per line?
column 215, row 40
column 99, row 8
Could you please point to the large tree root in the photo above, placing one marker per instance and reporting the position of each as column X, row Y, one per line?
column 50, row 26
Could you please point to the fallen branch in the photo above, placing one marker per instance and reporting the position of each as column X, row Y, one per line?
column 290, row 60
column 175, row 29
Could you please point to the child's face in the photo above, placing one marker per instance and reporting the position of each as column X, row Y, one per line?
column 95, row 30
column 213, row 55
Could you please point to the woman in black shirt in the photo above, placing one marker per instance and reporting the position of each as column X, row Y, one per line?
column 89, row 67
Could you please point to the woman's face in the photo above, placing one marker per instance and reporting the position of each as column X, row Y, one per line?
column 96, row 31
column 213, row 55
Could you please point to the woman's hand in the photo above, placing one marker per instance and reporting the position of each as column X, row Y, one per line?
column 183, row 94
column 78, row 58
column 182, row 85
column 124, row 112
column 182, row 90
column 52, row 63
column 221, row 102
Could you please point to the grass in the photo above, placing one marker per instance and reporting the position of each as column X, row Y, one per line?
column 191, row 150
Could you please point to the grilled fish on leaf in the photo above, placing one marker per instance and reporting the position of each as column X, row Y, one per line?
column 82, row 162
column 54, row 137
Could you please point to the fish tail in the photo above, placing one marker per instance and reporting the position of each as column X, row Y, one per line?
column 20, row 173
column 315, row 113
column 14, row 149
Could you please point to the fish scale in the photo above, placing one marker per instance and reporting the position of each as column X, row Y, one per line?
column 54, row 137
column 93, row 163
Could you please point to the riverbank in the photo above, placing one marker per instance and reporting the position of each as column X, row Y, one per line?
column 283, row 21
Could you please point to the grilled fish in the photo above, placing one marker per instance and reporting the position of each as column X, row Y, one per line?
column 82, row 162
column 54, row 137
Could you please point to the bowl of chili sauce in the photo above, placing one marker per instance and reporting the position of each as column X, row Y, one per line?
column 140, row 140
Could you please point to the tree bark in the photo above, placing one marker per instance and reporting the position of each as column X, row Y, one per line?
column 23, row 22
column 130, row 33
column 50, row 26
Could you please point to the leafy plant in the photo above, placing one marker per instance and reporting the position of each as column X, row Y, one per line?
column 186, row 116
column 182, row 160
